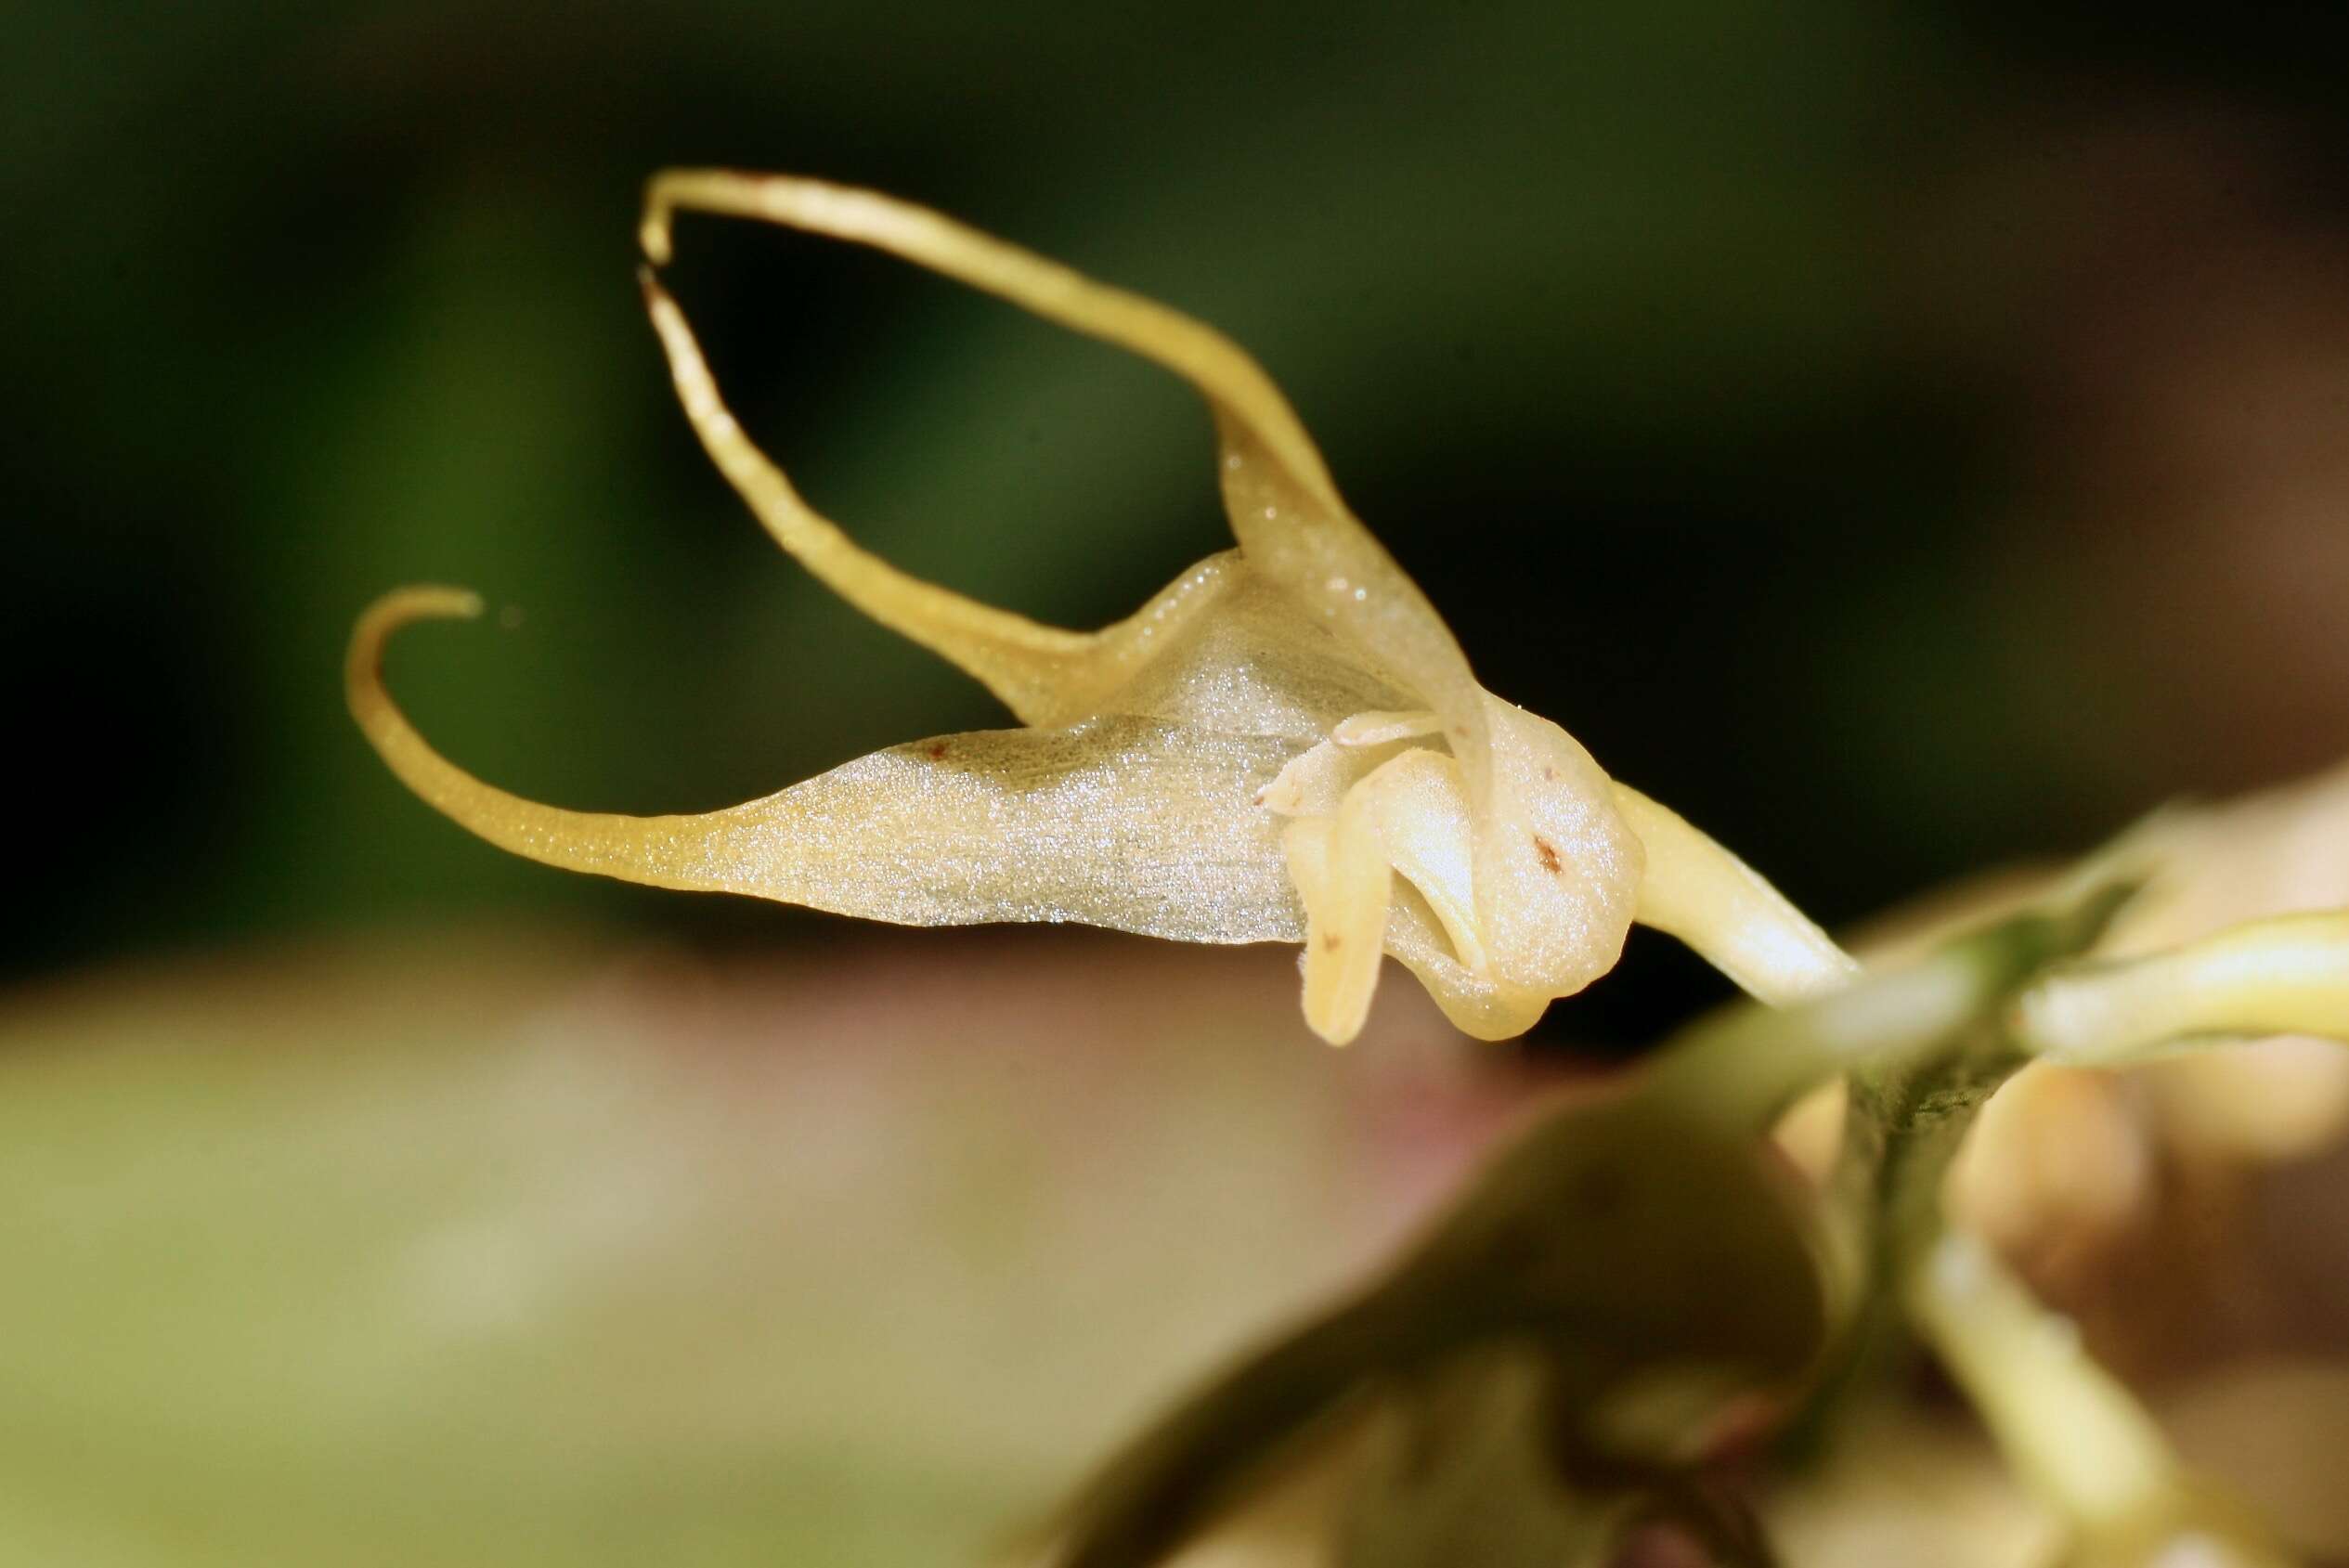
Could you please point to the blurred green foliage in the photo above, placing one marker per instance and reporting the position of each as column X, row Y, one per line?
column 1600, row 313
column 486, row 1252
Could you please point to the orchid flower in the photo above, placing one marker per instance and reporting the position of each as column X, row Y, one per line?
column 1285, row 744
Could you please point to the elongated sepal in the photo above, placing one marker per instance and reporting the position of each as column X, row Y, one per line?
column 1123, row 822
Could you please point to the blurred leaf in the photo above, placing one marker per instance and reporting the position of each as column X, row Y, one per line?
column 511, row 1254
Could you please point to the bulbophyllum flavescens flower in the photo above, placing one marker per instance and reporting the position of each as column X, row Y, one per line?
column 1285, row 744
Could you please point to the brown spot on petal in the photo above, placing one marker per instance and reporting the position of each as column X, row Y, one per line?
column 937, row 750
column 1332, row 942
column 1549, row 862
column 1549, row 773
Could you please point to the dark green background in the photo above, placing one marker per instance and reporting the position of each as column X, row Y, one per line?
column 1783, row 398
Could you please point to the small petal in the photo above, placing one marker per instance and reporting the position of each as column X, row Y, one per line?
column 1340, row 871
column 1407, row 816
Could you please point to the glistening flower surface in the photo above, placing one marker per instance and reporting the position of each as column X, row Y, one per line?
column 1285, row 744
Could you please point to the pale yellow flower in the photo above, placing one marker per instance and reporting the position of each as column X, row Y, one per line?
column 1285, row 744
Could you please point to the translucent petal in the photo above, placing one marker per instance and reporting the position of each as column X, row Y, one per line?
column 1254, row 665
column 1124, row 821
